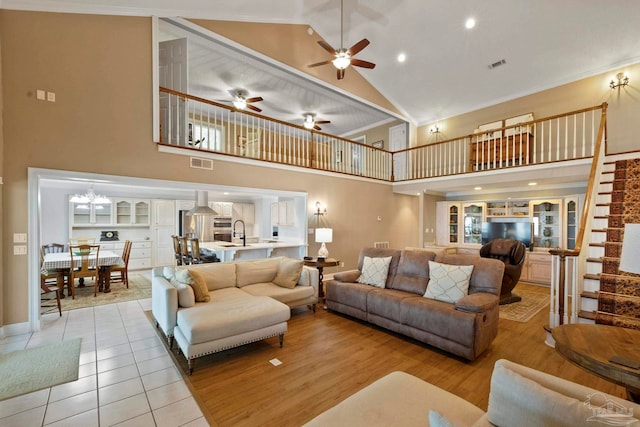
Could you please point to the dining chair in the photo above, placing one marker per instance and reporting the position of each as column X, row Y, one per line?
column 82, row 241
column 122, row 270
column 185, row 255
column 176, row 249
column 52, row 248
column 88, row 255
column 48, row 284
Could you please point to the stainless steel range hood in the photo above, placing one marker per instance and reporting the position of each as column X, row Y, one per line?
column 202, row 205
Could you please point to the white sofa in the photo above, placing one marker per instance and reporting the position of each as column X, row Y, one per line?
column 212, row 307
column 519, row 396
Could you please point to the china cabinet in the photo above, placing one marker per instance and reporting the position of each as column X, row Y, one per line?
column 546, row 216
column 132, row 212
column 472, row 217
column 571, row 221
column 90, row 214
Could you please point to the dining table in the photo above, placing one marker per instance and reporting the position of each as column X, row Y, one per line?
column 61, row 263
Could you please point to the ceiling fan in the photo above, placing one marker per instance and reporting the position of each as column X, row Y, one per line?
column 310, row 121
column 241, row 102
column 344, row 57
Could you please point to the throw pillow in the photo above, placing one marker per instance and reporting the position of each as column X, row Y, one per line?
column 186, row 296
column 436, row 419
column 200, row 290
column 288, row 272
column 168, row 272
column 256, row 271
column 374, row 271
column 448, row 283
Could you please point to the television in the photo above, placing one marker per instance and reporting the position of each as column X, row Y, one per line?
column 507, row 230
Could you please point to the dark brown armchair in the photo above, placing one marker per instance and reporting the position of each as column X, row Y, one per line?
column 512, row 253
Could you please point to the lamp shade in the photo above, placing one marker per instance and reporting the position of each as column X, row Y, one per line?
column 630, row 249
column 324, row 235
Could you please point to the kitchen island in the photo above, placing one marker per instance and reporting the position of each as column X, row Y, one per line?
column 229, row 251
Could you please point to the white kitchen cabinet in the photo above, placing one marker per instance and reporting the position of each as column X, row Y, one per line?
column 90, row 214
column 131, row 212
column 222, row 208
column 244, row 211
column 448, row 221
column 140, row 257
column 537, row 268
column 163, row 226
column 283, row 213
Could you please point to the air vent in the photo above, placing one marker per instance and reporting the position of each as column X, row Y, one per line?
column 198, row 163
column 381, row 245
column 497, row 64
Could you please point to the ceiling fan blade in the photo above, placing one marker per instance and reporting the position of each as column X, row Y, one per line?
column 361, row 63
column 255, row 99
column 320, row 63
column 326, row 46
column 322, row 122
column 317, row 127
column 340, row 74
column 358, row 46
column 254, row 108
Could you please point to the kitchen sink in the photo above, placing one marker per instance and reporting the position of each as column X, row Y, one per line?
column 231, row 245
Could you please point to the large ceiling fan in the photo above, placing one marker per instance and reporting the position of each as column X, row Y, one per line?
column 310, row 122
column 241, row 102
column 344, row 57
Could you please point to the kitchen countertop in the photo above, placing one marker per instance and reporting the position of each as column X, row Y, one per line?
column 228, row 246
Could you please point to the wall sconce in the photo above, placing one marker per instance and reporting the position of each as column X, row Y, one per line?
column 435, row 130
column 621, row 80
column 319, row 213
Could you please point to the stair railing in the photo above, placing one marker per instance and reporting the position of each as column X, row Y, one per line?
column 567, row 265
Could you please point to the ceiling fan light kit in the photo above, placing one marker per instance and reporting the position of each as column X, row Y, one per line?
column 344, row 57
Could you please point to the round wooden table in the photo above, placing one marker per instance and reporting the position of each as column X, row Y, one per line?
column 592, row 346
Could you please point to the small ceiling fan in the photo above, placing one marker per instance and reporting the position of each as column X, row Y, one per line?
column 310, row 121
column 241, row 102
column 344, row 57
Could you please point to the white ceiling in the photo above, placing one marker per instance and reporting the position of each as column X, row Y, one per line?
column 545, row 43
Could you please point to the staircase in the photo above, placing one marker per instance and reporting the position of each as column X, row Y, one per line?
column 609, row 296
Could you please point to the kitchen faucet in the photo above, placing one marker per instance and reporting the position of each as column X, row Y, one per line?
column 244, row 235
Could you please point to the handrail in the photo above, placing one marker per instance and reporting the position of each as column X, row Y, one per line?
column 586, row 214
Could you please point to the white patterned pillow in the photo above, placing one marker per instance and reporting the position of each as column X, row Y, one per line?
column 374, row 271
column 448, row 283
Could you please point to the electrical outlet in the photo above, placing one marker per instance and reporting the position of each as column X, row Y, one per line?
column 341, row 264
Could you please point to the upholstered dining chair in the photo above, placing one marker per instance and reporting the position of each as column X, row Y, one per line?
column 512, row 253
column 122, row 270
column 88, row 255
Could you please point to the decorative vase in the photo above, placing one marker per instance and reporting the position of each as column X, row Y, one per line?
column 547, row 232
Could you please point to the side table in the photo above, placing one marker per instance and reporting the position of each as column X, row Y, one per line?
column 320, row 265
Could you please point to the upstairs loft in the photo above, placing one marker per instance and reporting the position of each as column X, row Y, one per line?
column 560, row 146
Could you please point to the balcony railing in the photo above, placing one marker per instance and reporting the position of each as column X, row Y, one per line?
column 201, row 125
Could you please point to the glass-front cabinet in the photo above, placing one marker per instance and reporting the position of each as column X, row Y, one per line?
column 571, row 221
column 472, row 217
column 547, row 218
column 132, row 212
column 90, row 214
column 454, row 222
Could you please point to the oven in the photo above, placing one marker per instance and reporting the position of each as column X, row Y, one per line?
column 222, row 230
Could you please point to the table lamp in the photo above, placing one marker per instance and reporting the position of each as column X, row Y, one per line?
column 630, row 249
column 324, row 235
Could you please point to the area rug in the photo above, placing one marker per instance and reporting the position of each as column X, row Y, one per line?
column 523, row 311
column 139, row 288
column 25, row 371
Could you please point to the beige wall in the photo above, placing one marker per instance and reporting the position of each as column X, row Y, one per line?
column 623, row 109
column 378, row 133
column 100, row 69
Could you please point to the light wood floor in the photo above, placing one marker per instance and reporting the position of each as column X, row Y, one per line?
column 327, row 357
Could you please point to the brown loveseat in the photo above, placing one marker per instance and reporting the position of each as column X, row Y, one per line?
column 465, row 328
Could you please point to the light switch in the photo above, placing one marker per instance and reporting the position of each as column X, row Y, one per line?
column 40, row 95
column 19, row 249
column 19, row 237
column 51, row 96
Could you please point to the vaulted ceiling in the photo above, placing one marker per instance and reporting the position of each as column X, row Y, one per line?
column 544, row 43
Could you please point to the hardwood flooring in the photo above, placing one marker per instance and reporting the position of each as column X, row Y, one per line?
column 327, row 357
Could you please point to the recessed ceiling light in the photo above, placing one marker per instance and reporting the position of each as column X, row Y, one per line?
column 226, row 193
column 402, row 57
column 470, row 23
column 532, row 183
column 477, row 188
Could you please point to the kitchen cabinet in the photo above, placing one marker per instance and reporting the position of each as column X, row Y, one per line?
column 537, row 268
column 283, row 213
column 132, row 212
column 90, row 214
column 244, row 211
column 546, row 216
column 472, row 218
column 163, row 227
column 222, row 208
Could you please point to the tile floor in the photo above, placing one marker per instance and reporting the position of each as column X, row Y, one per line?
column 126, row 376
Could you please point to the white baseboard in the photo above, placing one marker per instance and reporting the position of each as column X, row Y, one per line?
column 14, row 329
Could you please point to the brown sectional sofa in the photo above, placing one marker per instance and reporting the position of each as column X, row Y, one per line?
column 465, row 328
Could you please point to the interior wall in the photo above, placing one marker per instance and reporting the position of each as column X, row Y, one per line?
column 100, row 69
column 1, row 187
column 429, row 217
column 623, row 107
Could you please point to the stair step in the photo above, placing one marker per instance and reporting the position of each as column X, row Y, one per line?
column 591, row 315
column 597, row 245
column 592, row 276
column 598, row 230
column 596, row 260
column 588, row 294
